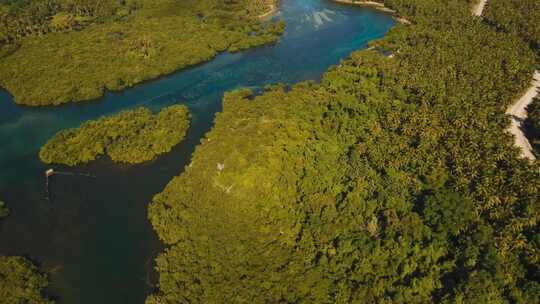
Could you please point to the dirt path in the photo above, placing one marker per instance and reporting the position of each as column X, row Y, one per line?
column 478, row 9
column 518, row 111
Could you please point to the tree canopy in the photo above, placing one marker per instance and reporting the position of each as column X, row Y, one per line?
column 21, row 282
column 517, row 16
column 133, row 136
column 391, row 181
column 57, row 51
column 532, row 125
column 520, row 17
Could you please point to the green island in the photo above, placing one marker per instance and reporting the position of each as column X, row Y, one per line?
column 133, row 136
column 58, row 51
column 20, row 280
column 390, row 181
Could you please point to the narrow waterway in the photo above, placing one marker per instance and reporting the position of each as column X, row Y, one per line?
column 93, row 236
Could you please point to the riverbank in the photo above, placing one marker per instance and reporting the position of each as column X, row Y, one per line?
column 518, row 112
column 378, row 6
column 81, row 65
column 112, row 209
column 273, row 9
column 377, row 132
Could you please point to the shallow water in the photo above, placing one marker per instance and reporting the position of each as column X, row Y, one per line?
column 93, row 236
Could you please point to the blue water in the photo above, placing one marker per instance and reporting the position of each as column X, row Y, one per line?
column 93, row 236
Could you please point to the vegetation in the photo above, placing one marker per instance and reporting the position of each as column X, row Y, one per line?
column 517, row 16
column 21, row 282
column 57, row 51
column 391, row 181
column 4, row 210
column 520, row 17
column 262, row 7
column 133, row 136
column 532, row 125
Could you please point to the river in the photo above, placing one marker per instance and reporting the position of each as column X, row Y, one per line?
column 93, row 235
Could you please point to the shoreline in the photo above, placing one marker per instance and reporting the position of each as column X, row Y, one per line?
column 273, row 9
column 378, row 6
column 518, row 113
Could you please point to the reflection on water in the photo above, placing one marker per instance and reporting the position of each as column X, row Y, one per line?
column 93, row 236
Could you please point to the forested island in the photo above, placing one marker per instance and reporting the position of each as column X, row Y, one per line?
column 20, row 280
column 57, row 51
column 391, row 181
column 133, row 136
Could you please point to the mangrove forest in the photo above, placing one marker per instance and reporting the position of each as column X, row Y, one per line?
column 133, row 136
column 391, row 178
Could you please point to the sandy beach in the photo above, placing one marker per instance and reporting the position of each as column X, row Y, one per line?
column 377, row 5
column 271, row 12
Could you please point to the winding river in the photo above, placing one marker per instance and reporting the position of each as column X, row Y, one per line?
column 93, row 235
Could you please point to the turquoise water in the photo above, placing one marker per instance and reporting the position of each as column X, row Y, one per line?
column 93, row 236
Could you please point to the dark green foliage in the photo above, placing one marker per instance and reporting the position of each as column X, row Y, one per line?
column 21, row 282
column 4, row 210
column 57, row 51
column 521, row 18
column 133, row 136
column 391, row 181
column 33, row 18
column 447, row 213
column 517, row 16
column 532, row 124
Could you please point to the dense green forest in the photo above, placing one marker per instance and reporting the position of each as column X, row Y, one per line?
column 517, row 16
column 56, row 51
column 521, row 17
column 391, row 181
column 133, row 136
column 532, row 125
column 20, row 280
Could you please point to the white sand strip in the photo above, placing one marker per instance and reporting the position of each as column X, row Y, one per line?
column 478, row 9
column 518, row 111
